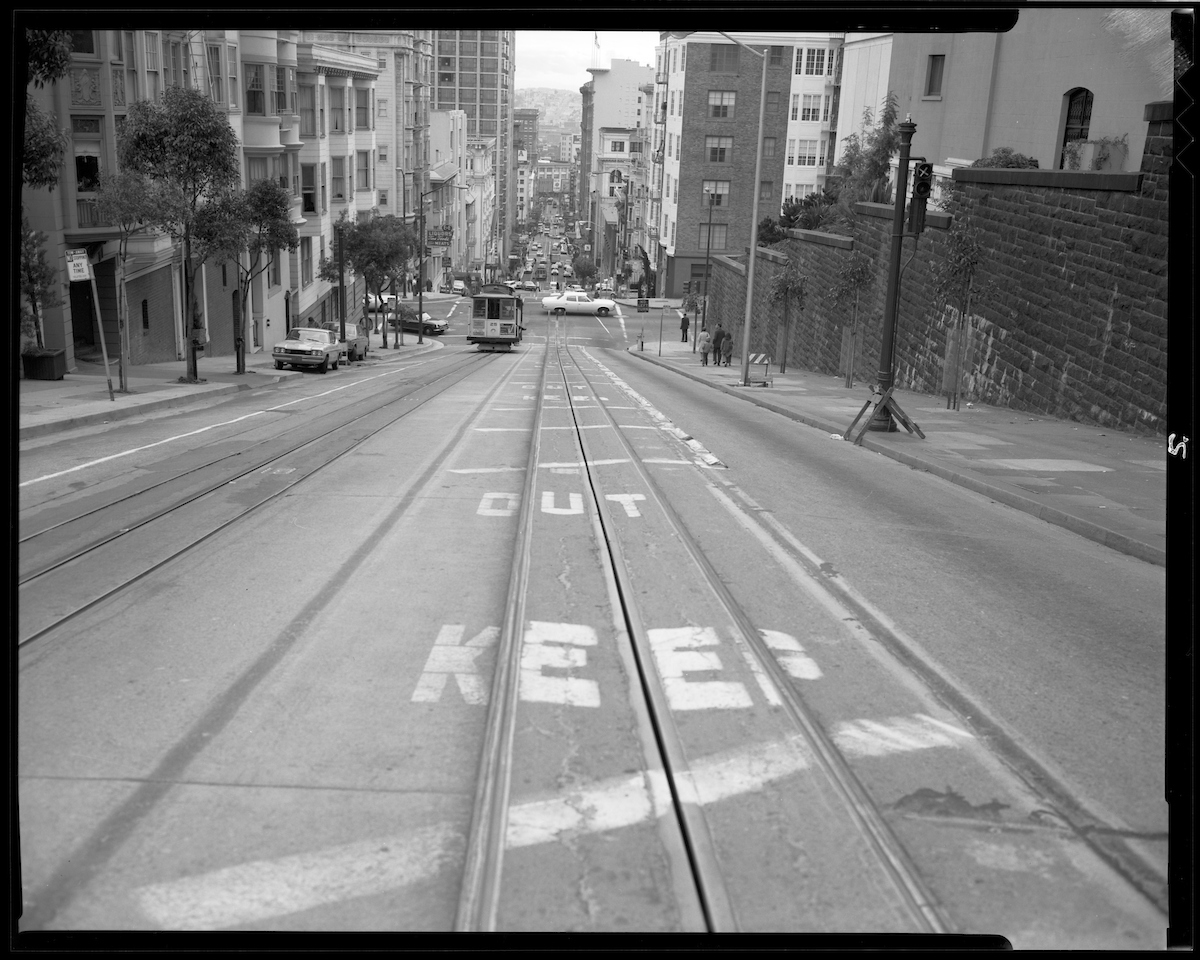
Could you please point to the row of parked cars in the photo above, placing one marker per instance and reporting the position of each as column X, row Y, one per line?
column 323, row 348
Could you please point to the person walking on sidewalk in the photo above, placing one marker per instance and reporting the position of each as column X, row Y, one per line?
column 683, row 325
column 704, row 342
column 718, row 336
column 727, row 348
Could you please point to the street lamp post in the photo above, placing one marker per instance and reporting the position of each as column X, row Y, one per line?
column 712, row 197
column 758, row 158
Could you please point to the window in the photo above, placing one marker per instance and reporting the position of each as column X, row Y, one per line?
column 153, row 84
column 362, row 170
column 765, row 189
column 933, row 76
column 280, row 104
column 337, row 109
column 772, row 101
column 807, row 156
column 145, row 314
column 719, row 231
column 362, row 109
column 668, row 190
column 719, row 149
column 324, row 182
column 83, row 41
column 683, row 57
column 812, row 107
column 673, row 60
column 1079, row 119
column 308, row 110
column 256, row 97
column 216, row 76
column 718, row 190
column 616, row 146
column 795, row 106
column 768, row 147
column 339, row 178
column 381, row 108
column 256, row 168
column 672, row 233
column 131, row 73
column 776, row 56
column 791, row 154
column 814, row 62
column 672, row 110
column 85, row 138
column 233, row 77
column 821, row 155
column 670, row 144
column 723, row 58
column 306, row 264
column 308, row 187
column 825, row 114
column 383, row 198
column 720, row 103
column 383, row 153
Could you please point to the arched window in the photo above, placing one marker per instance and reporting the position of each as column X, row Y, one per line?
column 1079, row 119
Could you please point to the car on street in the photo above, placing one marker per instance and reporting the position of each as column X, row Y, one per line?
column 379, row 303
column 528, row 285
column 356, row 344
column 427, row 324
column 458, row 287
column 308, row 347
column 574, row 286
column 576, row 301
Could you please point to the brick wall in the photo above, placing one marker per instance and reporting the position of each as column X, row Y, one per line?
column 157, row 343
column 1077, row 324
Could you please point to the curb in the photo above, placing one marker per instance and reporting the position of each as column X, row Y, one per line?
column 1077, row 525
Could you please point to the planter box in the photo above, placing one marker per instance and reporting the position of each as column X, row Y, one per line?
column 51, row 366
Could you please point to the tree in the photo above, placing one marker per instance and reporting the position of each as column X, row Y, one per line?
column 375, row 249
column 787, row 287
column 49, row 57
column 247, row 226
column 584, row 268
column 770, row 232
column 38, row 279
column 184, row 146
column 853, row 276
column 124, row 200
column 866, row 156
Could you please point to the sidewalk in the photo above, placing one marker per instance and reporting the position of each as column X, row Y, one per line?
column 1103, row 484
column 81, row 398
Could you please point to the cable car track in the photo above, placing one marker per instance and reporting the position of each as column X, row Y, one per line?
column 479, row 905
column 339, row 421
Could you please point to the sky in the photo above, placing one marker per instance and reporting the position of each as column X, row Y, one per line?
column 559, row 59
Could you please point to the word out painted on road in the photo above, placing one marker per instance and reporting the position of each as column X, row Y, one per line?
column 494, row 504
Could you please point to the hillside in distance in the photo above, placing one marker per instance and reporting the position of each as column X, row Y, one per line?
column 553, row 106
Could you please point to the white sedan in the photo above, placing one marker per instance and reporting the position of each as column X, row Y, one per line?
column 575, row 301
column 308, row 347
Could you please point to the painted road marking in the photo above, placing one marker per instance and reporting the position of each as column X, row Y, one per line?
column 581, row 426
column 627, row 501
column 675, row 655
column 1052, row 466
column 486, row 470
column 791, row 655
column 502, row 429
column 447, row 659
column 590, row 463
column 574, row 500
column 542, row 648
column 262, row 890
column 487, row 510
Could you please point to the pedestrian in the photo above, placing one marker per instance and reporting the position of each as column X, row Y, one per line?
column 727, row 349
column 683, row 325
column 718, row 336
column 704, row 342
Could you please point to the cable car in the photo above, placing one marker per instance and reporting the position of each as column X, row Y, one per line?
column 496, row 318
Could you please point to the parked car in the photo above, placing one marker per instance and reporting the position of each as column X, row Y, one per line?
column 375, row 304
column 308, row 347
column 458, row 287
column 356, row 344
column 571, row 301
column 574, row 286
column 427, row 324
column 528, row 285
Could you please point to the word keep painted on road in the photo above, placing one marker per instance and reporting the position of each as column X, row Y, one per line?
column 553, row 654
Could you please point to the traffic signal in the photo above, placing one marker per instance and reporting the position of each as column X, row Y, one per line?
column 687, row 287
column 922, row 186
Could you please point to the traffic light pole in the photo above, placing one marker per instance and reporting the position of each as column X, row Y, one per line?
column 881, row 419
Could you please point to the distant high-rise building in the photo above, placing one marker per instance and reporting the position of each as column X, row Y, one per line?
column 473, row 72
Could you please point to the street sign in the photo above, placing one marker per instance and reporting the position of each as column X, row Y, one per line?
column 78, row 267
column 447, row 261
column 643, row 305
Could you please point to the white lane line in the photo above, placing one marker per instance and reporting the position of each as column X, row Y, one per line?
column 590, row 463
column 503, row 429
column 486, row 470
column 265, row 889
column 212, row 426
column 581, row 426
column 126, row 453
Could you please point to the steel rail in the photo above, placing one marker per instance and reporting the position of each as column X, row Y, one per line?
column 237, row 454
column 241, row 515
column 479, row 897
column 891, row 854
column 716, row 903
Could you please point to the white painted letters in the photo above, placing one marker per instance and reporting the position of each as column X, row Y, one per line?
column 574, row 499
column 674, row 658
column 627, row 501
column 448, row 659
column 487, row 510
column 556, row 646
